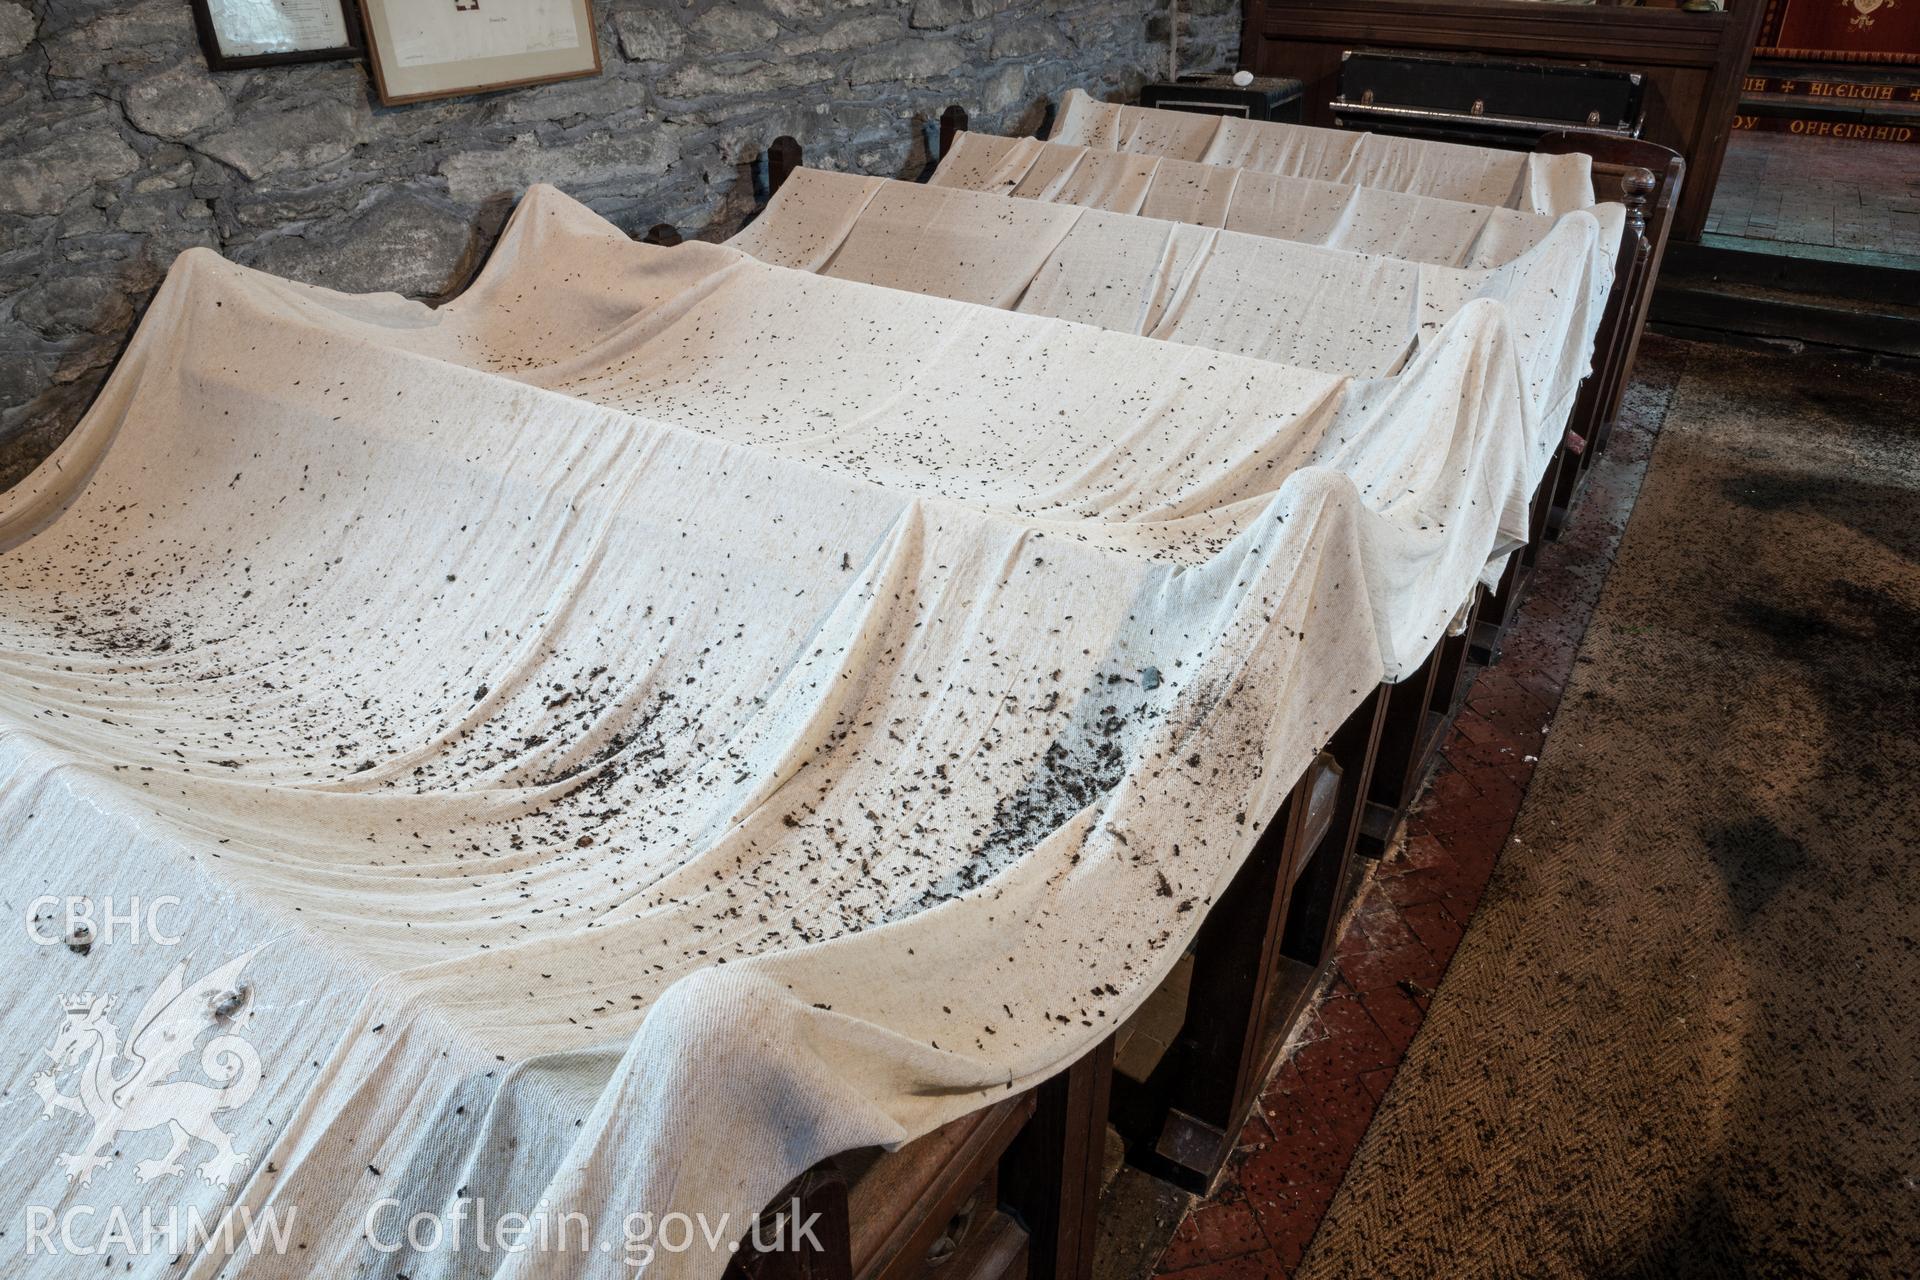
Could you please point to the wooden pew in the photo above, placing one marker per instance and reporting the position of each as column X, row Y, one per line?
column 783, row 157
column 953, row 122
column 1017, row 1184
column 1497, row 608
column 1010, row 1191
column 1200, row 1053
column 1257, row 958
column 1260, row 953
column 1420, row 710
column 1648, row 178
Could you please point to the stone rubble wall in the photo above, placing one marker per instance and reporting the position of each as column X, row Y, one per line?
column 118, row 149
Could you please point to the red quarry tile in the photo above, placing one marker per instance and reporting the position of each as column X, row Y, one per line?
column 1341, row 1016
column 1458, row 882
column 1290, row 1229
column 1470, row 726
column 1316, row 1127
column 1544, row 684
column 1397, row 1016
column 1407, row 890
column 1329, row 1102
column 1374, row 970
column 1462, row 881
column 1214, row 1232
column 1351, row 942
column 1499, row 791
column 1518, row 719
column 1420, row 850
column 1354, row 1043
column 1505, row 704
column 1263, row 1265
column 1471, row 853
column 1377, row 1081
column 1286, row 1077
column 1471, row 757
column 1425, row 972
column 1307, row 1151
column 1256, row 1135
column 1456, row 820
column 1451, row 789
column 1436, row 927
column 1372, row 898
column 1375, row 923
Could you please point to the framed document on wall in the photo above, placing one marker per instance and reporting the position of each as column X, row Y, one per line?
column 437, row 48
column 260, row 33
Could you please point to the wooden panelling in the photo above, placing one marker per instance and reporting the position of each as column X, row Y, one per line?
column 1693, row 61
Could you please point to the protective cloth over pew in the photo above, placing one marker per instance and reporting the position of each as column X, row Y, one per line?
column 1549, row 184
column 1330, row 310
column 546, row 786
column 1338, row 215
column 1046, row 421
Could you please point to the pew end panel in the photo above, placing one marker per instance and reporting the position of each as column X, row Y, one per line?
column 1201, row 1051
column 1647, row 178
column 1006, row 1192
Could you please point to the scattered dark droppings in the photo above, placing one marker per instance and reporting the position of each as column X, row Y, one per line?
column 640, row 759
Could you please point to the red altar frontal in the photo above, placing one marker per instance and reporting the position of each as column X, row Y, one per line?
column 1884, row 32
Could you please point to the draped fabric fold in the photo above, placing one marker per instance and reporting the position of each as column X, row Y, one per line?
column 660, row 720
column 1537, row 183
column 1159, row 447
column 1336, row 213
column 1343, row 312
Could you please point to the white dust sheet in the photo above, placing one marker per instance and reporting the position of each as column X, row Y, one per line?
column 618, row 807
column 1039, row 419
column 1338, row 215
column 1524, row 180
column 1332, row 310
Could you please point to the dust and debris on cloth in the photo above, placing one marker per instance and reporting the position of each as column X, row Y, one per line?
column 1530, row 181
column 1155, row 447
column 662, row 720
column 1313, row 210
column 1357, row 314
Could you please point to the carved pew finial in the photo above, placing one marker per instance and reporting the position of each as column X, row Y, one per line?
column 783, row 157
column 1636, row 187
column 952, row 121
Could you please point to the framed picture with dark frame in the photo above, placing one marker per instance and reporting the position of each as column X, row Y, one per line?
column 237, row 34
column 424, row 49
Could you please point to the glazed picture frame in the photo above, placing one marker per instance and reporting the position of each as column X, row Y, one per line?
column 238, row 34
column 426, row 49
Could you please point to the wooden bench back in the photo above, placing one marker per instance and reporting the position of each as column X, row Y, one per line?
column 1646, row 177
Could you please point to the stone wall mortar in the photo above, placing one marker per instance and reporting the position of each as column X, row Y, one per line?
column 119, row 149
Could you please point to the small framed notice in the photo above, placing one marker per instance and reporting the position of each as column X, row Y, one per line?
column 437, row 48
column 261, row 33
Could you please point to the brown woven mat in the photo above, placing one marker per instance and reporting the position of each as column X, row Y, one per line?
column 1682, row 1035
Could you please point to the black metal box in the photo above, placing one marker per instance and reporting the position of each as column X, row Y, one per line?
column 1267, row 98
column 1483, row 100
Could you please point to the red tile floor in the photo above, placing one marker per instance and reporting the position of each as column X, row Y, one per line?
column 1412, row 911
